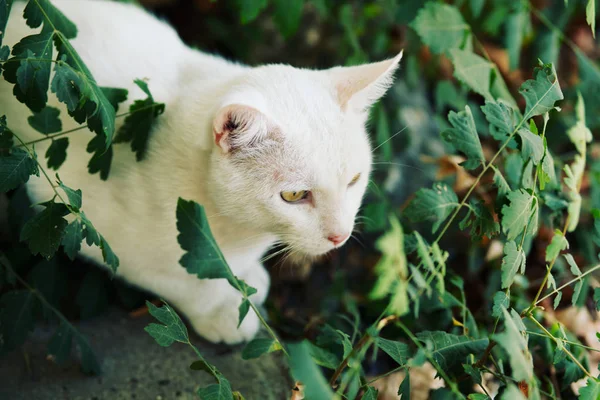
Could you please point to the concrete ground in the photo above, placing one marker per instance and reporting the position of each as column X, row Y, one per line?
column 135, row 367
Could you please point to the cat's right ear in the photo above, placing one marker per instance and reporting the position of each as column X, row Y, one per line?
column 238, row 126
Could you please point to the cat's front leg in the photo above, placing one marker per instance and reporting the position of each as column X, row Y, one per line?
column 222, row 323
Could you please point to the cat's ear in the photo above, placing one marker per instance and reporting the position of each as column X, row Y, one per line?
column 238, row 126
column 361, row 86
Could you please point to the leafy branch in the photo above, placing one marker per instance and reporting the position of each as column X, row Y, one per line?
column 59, row 346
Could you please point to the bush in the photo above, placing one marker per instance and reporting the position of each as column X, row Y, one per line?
column 482, row 217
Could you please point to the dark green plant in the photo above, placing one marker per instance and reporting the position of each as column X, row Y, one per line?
column 525, row 156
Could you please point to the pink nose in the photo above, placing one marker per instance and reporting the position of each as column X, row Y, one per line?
column 337, row 239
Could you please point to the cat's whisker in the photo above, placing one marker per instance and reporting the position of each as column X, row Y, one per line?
column 385, row 163
column 390, row 138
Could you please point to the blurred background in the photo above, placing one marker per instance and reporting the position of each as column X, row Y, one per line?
column 405, row 130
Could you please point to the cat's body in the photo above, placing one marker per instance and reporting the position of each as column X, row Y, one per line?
column 232, row 138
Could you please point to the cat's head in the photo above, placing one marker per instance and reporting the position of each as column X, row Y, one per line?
column 292, row 156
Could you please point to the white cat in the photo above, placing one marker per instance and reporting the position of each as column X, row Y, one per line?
column 274, row 153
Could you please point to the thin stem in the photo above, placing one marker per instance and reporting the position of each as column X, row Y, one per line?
column 50, row 137
column 6, row 264
column 27, row 59
column 378, row 377
column 550, row 25
column 569, row 354
column 336, row 374
column 440, row 371
column 566, row 341
column 577, row 278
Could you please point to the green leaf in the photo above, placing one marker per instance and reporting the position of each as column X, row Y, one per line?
column 115, row 95
column 250, row 9
column 501, row 300
column 304, row 369
column 6, row 136
column 217, row 391
column 100, row 161
column 287, row 16
column 46, row 121
column 501, row 184
column 29, row 71
column 532, row 146
column 323, row 357
column 392, row 270
column 520, row 213
column 546, row 170
column 513, row 261
column 473, row 70
column 44, row 231
column 503, row 118
column 591, row 391
column 5, row 7
column 257, row 347
column 441, row 27
column 434, row 204
column 74, row 196
column 138, row 124
column 15, row 169
column 481, row 221
column 541, row 92
column 464, row 137
column 72, row 238
column 590, row 18
column 514, row 343
column 398, row 351
column 404, row 389
column 59, row 347
column 515, row 29
column 473, row 372
column 57, row 153
column 574, row 268
column 16, row 318
column 557, row 300
column 203, row 256
column 558, row 244
column 449, row 350
column 172, row 330
column 89, row 362
column 243, row 311
column 38, row 11
column 597, row 298
column 370, row 393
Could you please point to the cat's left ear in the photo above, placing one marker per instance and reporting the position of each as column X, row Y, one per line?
column 238, row 126
column 360, row 86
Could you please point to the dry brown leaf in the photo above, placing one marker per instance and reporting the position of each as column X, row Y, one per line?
column 422, row 381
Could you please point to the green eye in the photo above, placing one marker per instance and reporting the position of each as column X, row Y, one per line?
column 293, row 197
column 354, row 180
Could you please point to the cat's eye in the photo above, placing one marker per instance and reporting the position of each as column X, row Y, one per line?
column 354, row 180
column 294, row 197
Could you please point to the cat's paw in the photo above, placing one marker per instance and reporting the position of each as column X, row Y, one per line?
column 221, row 326
column 260, row 280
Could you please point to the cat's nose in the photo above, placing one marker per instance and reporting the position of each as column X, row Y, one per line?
column 337, row 239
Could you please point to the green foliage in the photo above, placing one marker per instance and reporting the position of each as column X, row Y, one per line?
column 464, row 137
column 257, row 347
column 441, row 27
column 170, row 330
column 434, row 204
column 505, row 190
column 514, row 342
column 46, row 121
column 450, row 350
column 138, row 124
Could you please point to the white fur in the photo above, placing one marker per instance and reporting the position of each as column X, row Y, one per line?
column 304, row 137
